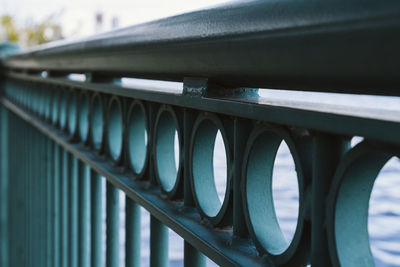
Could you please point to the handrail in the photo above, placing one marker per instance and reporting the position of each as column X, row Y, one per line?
column 338, row 46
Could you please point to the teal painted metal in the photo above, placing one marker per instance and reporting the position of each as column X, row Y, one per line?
column 74, row 135
column 132, row 251
column 84, row 215
column 96, row 219
column 327, row 152
column 73, row 191
column 158, row 243
column 64, row 235
column 237, row 45
column 112, row 222
column 193, row 257
column 4, row 161
column 56, row 205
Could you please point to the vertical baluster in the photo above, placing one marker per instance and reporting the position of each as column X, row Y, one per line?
column 96, row 219
column 133, row 225
column 64, row 210
column 158, row 243
column 327, row 151
column 34, row 184
column 84, row 215
column 49, row 200
column 191, row 256
column 25, row 182
column 73, row 211
column 56, row 205
column 11, row 196
column 41, row 201
column 4, row 186
column 112, row 257
column 29, row 197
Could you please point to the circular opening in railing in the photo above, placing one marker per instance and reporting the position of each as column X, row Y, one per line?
column 63, row 109
column 273, row 179
column 167, row 163
column 285, row 192
column 55, row 106
column 384, row 215
column 209, row 167
column 355, row 140
column 115, row 129
column 137, row 137
column 97, row 122
column 349, row 201
column 72, row 113
column 84, row 116
column 220, row 169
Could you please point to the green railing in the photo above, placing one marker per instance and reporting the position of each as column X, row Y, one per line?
column 60, row 137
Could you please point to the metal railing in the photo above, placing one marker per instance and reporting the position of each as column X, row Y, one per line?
column 60, row 137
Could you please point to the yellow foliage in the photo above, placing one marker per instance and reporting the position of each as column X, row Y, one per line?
column 30, row 35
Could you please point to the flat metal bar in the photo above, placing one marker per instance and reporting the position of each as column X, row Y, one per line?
column 133, row 236
column 369, row 124
column 158, row 243
column 96, row 219
column 249, row 44
column 209, row 241
column 112, row 241
column 84, row 215
column 73, row 211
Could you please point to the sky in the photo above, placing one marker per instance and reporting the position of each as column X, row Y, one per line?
column 77, row 17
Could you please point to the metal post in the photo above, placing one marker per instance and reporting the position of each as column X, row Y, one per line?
column 241, row 132
column 84, row 215
column 327, row 151
column 56, row 205
column 112, row 257
column 132, row 233
column 96, row 219
column 4, row 161
column 64, row 210
column 158, row 243
column 193, row 257
column 73, row 211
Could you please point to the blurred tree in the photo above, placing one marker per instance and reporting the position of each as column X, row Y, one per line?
column 33, row 34
column 9, row 29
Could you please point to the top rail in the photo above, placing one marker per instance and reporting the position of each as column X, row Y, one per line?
column 336, row 46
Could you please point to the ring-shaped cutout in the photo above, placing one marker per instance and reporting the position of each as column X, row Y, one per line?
column 204, row 134
column 115, row 129
column 260, row 215
column 349, row 203
column 167, row 169
column 137, row 137
column 63, row 109
column 84, row 102
column 97, row 122
column 72, row 112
